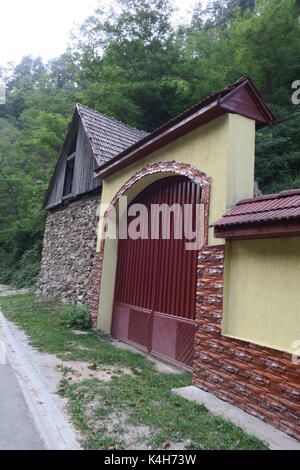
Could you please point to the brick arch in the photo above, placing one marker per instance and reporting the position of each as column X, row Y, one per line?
column 177, row 168
column 173, row 167
column 163, row 167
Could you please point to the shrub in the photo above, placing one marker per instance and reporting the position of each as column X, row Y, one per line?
column 75, row 316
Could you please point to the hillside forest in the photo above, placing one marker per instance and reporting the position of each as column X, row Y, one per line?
column 135, row 63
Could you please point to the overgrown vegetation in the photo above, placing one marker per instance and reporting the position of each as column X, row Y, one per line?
column 75, row 316
column 132, row 409
column 133, row 64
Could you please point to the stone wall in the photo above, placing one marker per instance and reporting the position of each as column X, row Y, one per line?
column 69, row 250
column 95, row 287
column 262, row 381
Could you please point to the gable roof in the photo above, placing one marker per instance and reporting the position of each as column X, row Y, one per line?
column 250, row 215
column 241, row 97
column 108, row 137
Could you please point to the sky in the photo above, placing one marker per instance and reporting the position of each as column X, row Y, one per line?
column 42, row 27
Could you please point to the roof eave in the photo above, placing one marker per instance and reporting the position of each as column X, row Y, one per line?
column 263, row 115
column 146, row 147
column 284, row 228
column 220, row 105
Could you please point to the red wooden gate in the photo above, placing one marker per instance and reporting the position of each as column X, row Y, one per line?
column 155, row 289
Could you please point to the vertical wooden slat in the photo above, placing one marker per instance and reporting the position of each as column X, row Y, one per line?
column 194, row 255
column 184, row 291
column 189, row 267
column 175, row 280
column 160, row 274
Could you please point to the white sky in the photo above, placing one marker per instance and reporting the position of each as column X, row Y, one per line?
column 41, row 27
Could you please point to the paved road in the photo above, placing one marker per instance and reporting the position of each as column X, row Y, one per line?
column 17, row 430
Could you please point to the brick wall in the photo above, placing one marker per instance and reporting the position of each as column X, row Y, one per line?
column 261, row 381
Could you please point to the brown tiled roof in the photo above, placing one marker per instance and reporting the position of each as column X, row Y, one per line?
column 107, row 136
column 281, row 207
column 219, row 95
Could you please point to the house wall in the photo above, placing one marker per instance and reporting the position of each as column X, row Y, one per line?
column 261, row 292
column 69, row 251
column 222, row 149
column 260, row 380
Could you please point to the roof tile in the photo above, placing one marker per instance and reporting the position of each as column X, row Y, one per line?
column 264, row 209
column 107, row 136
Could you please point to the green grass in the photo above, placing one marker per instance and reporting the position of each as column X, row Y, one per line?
column 142, row 398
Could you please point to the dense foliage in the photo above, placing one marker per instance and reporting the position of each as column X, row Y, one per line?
column 132, row 63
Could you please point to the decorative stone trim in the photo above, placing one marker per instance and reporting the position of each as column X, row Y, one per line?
column 177, row 168
column 262, row 381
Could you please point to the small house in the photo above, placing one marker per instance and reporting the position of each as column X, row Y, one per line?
column 227, row 310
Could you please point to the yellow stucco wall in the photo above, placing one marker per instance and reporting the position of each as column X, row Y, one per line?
column 261, row 292
column 223, row 149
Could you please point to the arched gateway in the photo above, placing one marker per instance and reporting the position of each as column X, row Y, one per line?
column 155, row 290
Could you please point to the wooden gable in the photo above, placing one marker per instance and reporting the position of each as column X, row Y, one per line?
column 76, row 152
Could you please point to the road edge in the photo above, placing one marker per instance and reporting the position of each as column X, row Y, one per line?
column 53, row 428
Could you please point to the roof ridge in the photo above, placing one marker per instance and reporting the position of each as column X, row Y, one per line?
column 272, row 196
column 210, row 107
column 264, row 211
column 110, row 118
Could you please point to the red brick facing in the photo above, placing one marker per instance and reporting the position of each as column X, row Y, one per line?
column 96, row 285
column 261, row 381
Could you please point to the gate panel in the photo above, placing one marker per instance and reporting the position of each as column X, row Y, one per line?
column 185, row 343
column 140, row 330
column 156, row 279
column 120, row 322
column 164, row 336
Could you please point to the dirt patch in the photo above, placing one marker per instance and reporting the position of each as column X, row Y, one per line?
column 80, row 333
column 165, row 368
column 118, row 427
column 160, row 366
column 79, row 370
column 6, row 291
column 133, row 437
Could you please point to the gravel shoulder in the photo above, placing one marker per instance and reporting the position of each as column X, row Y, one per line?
column 46, row 366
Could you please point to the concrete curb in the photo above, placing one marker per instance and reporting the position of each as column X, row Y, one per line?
column 275, row 439
column 54, row 430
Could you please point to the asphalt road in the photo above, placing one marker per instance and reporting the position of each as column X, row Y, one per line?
column 17, row 430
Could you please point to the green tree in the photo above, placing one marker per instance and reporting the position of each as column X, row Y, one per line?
column 133, row 64
column 136, row 62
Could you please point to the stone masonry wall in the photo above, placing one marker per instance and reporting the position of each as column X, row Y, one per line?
column 68, row 252
column 96, row 286
column 262, row 381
